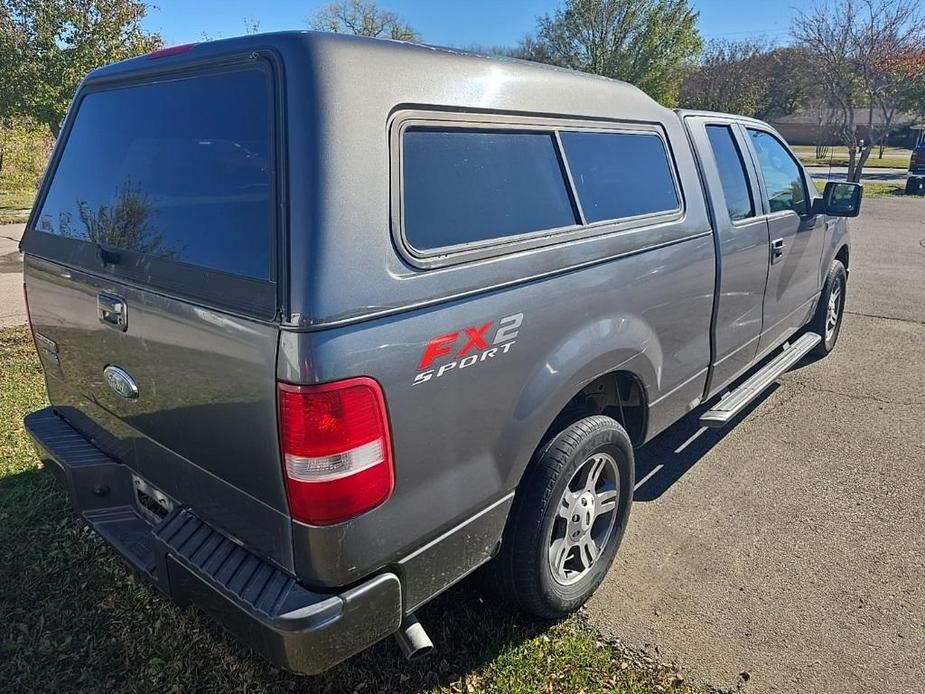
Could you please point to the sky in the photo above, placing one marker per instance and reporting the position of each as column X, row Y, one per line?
column 445, row 22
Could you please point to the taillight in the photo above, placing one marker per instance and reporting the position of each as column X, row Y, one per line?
column 337, row 455
column 170, row 50
column 914, row 160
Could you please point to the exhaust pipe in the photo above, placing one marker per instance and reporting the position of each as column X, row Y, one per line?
column 413, row 641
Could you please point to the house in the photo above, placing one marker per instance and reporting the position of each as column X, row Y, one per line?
column 813, row 126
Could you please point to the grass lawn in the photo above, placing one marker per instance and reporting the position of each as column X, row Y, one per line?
column 874, row 190
column 72, row 618
column 12, row 204
column 893, row 157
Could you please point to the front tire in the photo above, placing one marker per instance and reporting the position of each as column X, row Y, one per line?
column 568, row 518
column 828, row 319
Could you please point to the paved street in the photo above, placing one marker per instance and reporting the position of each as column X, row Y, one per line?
column 792, row 546
column 869, row 175
column 12, row 305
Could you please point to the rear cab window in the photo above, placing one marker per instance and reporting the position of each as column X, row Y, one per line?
column 465, row 187
column 171, row 183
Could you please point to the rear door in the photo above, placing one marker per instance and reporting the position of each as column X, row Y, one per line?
column 797, row 237
column 742, row 238
column 151, row 280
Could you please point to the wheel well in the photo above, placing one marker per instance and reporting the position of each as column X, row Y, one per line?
column 842, row 256
column 618, row 394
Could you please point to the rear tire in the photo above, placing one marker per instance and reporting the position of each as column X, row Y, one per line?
column 568, row 518
column 914, row 186
column 831, row 308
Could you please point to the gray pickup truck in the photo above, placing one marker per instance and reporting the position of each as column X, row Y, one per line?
column 327, row 323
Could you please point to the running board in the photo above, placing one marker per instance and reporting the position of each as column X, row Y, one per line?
column 733, row 403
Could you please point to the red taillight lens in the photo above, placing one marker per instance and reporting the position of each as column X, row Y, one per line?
column 170, row 50
column 337, row 456
column 914, row 160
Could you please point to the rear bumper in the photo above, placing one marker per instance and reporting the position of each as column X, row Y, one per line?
column 193, row 563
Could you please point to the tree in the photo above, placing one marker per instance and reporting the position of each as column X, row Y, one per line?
column 857, row 45
column 725, row 79
column 748, row 78
column 650, row 43
column 790, row 78
column 362, row 18
column 909, row 71
column 47, row 46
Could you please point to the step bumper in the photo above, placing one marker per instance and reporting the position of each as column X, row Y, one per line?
column 194, row 564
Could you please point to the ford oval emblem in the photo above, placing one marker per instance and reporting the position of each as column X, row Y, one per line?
column 122, row 384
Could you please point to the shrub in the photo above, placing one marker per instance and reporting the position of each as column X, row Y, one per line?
column 24, row 149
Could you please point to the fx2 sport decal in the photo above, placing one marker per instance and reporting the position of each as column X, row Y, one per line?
column 467, row 347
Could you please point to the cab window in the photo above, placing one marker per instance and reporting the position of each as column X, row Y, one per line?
column 732, row 173
column 783, row 177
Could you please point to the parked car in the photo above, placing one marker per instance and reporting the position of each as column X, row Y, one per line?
column 327, row 323
column 915, row 182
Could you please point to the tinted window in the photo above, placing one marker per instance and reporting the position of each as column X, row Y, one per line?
column 782, row 175
column 620, row 175
column 731, row 172
column 466, row 186
column 178, row 169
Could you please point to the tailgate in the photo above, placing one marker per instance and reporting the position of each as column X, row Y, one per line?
column 150, row 277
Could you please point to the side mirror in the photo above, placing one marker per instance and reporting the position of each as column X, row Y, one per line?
column 841, row 199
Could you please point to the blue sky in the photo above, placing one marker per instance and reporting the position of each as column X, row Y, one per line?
column 443, row 22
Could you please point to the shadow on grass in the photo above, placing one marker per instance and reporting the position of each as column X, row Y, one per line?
column 73, row 619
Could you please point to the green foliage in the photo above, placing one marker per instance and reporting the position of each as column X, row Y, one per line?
column 15, row 205
column 649, row 43
column 24, row 149
column 362, row 18
column 747, row 78
column 47, row 46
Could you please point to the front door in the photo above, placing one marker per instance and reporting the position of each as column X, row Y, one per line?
column 796, row 238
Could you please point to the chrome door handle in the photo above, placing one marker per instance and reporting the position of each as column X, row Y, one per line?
column 777, row 250
column 112, row 311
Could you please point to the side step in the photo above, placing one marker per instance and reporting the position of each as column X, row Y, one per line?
column 736, row 401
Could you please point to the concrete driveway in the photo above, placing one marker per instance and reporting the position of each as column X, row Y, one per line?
column 791, row 546
column 12, row 304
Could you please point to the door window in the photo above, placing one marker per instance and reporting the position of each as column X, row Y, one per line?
column 731, row 172
column 783, row 177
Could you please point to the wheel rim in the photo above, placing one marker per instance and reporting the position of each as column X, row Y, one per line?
column 585, row 519
column 834, row 312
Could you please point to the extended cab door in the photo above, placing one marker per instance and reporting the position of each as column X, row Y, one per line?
column 742, row 243
column 797, row 237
